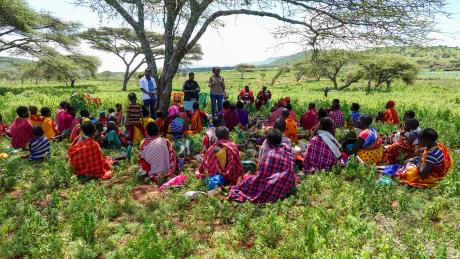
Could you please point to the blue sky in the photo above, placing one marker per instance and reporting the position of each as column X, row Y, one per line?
column 243, row 39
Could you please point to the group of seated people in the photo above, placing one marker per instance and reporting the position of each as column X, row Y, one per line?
column 423, row 161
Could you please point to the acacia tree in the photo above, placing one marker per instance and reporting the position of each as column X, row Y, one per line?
column 317, row 21
column 306, row 69
column 124, row 43
column 67, row 68
column 384, row 69
column 243, row 68
column 330, row 63
column 26, row 31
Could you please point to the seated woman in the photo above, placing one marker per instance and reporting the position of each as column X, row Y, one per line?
column 352, row 121
column 86, row 156
column 291, row 126
column 390, row 116
column 336, row 114
column 65, row 119
column 210, row 137
column 48, row 125
column 275, row 177
column 76, row 123
column 323, row 150
column 310, row 118
column 263, row 98
column 157, row 159
column 174, row 125
column 430, row 166
column 280, row 125
column 34, row 118
column 114, row 138
column 396, row 136
column 222, row 158
column 230, row 117
column 368, row 147
column 405, row 147
column 21, row 129
column 198, row 120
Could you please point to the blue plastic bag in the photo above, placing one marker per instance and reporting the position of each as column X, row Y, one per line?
column 214, row 181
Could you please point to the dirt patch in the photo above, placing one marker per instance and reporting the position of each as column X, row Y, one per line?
column 16, row 194
column 146, row 192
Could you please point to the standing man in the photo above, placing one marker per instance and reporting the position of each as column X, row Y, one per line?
column 148, row 89
column 191, row 90
column 217, row 85
column 263, row 98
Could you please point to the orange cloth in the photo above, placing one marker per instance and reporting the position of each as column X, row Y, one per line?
column 291, row 130
column 49, row 127
column 36, row 120
column 411, row 175
column 390, row 116
column 196, row 122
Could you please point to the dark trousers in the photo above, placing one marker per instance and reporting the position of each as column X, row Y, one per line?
column 151, row 105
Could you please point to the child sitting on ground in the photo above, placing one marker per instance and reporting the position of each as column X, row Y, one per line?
column 102, row 118
column 39, row 147
column 134, row 120
column 49, row 127
column 119, row 114
column 198, row 120
column 34, row 118
column 352, row 121
column 21, row 129
column 291, row 126
column 114, row 138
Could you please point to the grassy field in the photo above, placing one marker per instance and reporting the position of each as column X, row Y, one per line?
column 46, row 212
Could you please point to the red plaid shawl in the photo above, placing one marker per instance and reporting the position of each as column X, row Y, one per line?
column 337, row 118
column 86, row 158
column 274, row 180
column 211, row 165
column 318, row 156
column 21, row 133
column 398, row 152
column 156, row 155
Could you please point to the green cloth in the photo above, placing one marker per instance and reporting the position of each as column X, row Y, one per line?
column 113, row 140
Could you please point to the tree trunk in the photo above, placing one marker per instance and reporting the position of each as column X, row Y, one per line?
column 72, row 82
column 125, row 80
column 388, row 85
column 334, row 81
column 164, row 93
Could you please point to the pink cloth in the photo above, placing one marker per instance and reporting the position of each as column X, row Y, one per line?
column 173, row 111
column 64, row 120
column 174, row 182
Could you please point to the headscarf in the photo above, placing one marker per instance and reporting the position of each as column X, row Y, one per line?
column 391, row 104
column 173, row 111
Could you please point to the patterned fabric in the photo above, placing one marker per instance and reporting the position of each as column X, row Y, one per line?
column 372, row 151
column 75, row 122
column 209, row 138
column 157, row 158
column 75, row 133
column 21, row 133
column 134, row 115
column 246, row 97
column 390, row 116
column 353, row 120
column 265, row 147
column 120, row 117
column 176, row 128
column 337, row 118
column 291, row 130
column 39, row 149
column 398, row 152
column 274, row 180
column 36, row 120
column 49, row 128
column 435, row 157
column 231, row 119
column 318, row 156
column 409, row 173
column 210, row 165
column 87, row 159
column 309, row 119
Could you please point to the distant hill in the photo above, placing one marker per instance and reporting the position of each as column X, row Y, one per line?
column 11, row 63
column 435, row 58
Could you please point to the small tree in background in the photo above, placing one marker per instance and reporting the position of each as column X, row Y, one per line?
column 243, row 68
column 306, row 69
column 330, row 63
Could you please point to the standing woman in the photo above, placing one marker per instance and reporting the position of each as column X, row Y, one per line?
column 217, row 85
column 191, row 90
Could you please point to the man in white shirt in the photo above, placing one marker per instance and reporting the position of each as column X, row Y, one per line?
column 148, row 88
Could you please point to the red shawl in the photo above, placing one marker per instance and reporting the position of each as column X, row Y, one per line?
column 211, row 167
column 87, row 159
